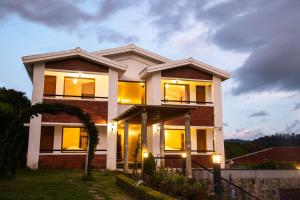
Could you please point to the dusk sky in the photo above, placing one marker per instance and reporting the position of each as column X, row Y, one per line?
column 255, row 40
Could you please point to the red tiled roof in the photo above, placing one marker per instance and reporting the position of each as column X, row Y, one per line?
column 280, row 154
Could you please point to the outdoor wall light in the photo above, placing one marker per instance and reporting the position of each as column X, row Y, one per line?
column 183, row 155
column 145, row 154
column 112, row 127
column 216, row 158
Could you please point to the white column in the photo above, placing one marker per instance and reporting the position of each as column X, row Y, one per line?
column 35, row 123
column 187, row 121
column 144, row 132
column 218, row 121
column 162, row 143
column 111, row 162
column 126, row 146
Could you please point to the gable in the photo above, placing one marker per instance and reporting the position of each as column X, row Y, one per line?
column 77, row 64
column 121, row 57
column 187, row 72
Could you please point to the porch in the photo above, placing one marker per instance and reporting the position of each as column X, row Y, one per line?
column 171, row 145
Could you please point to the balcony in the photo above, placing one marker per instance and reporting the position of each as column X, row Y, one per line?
column 186, row 92
column 75, row 86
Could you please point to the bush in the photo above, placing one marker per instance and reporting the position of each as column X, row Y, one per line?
column 274, row 165
column 140, row 192
column 149, row 165
column 179, row 186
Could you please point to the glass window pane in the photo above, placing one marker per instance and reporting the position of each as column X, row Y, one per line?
column 174, row 139
column 79, row 87
column 131, row 93
column 176, row 92
column 74, row 139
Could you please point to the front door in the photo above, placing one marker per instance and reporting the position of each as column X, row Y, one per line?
column 201, row 139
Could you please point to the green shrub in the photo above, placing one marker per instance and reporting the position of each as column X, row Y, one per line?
column 273, row 165
column 140, row 192
column 149, row 165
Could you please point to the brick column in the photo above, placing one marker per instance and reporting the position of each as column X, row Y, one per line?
column 187, row 120
column 126, row 125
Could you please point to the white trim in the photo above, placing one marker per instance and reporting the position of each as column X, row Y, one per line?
column 190, row 61
column 186, row 79
column 79, row 99
column 75, row 71
column 64, row 153
column 132, row 48
column 67, row 124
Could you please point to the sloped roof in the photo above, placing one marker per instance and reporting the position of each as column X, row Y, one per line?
column 189, row 61
column 77, row 52
column 132, row 48
column 284, row 154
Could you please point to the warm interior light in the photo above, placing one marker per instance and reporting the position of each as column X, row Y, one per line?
column 145, row 154
column 298, row 167
column 167, row 85
column 216, row 158
column 75, row 81
column 183, row 155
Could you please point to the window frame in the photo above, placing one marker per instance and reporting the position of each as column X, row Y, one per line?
column 174, row 129
column 81, row 96
column 188, row 95
column 145, row 92
column 62, row 141
column 44, row 94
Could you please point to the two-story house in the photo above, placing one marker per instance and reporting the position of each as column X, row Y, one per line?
column 135, row 97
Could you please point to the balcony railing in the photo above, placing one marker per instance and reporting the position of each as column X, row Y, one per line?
column 75, row 96
column 186, row 102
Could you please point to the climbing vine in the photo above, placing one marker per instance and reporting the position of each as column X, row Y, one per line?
column 12, row 144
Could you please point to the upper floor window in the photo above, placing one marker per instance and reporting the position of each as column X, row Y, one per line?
column 79, row 87
column 49, row 85
column 176, row 92
column 131, row 92
column 186, row 91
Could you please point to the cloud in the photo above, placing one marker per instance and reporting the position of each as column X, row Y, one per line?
column 68, row 15
column 225, row 124
column 297, row 106
column 255, row 27
column 261, row 113
column 245, row 134
column 293, row 127
column 115, row 37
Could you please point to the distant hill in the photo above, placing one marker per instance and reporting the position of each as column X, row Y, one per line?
column 237, row 147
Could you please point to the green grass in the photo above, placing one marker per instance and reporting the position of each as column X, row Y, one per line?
column 60, row 184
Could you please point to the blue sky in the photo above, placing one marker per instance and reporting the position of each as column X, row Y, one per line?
column 246, row 38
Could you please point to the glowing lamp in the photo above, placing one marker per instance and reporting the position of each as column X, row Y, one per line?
column 145, row 154
column 216, row 158
column 183, row 155
column 75, row 81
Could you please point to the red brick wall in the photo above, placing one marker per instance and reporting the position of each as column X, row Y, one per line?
column 186, row 72
column 76, row 63
column 70, row 162
column 97, row 110
column 202, row 116
column 176, row 161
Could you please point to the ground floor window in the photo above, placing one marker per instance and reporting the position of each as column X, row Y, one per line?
column 174, row 139
column 74, row 139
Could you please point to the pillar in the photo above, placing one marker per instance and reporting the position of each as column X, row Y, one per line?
column 187, row 120
column 144, row 132
column 162, row 143
column 33, row 150
column 126, row 146
column 111, row 161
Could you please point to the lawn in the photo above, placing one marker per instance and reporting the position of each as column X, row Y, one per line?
column 61, row 184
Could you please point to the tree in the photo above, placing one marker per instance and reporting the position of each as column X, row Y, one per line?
column 12, row 144
column 149, row 165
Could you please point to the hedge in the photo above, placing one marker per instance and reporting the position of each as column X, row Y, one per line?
column 140, row 192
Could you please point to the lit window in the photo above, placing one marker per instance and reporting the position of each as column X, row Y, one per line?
column 176, row 92
column 74, row 139
column 174, row 139
column 81, row 87
column 131, row 92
